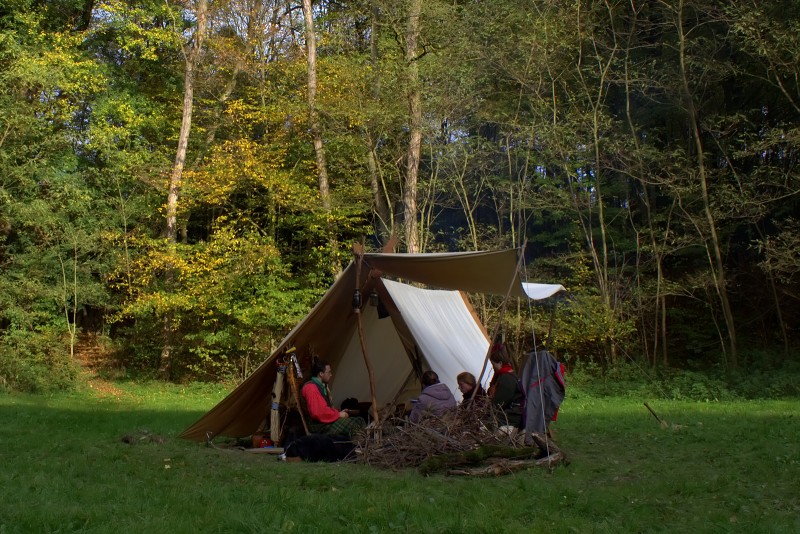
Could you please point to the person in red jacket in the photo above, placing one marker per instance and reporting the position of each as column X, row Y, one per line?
column 325, row 419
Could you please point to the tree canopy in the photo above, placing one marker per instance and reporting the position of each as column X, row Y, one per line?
column 645, row 151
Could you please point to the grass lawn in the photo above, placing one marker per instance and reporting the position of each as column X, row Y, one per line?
column 718, row 467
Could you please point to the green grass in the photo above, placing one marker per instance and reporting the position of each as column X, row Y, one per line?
column 719, row 467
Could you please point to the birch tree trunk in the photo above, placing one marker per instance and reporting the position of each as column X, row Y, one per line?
column 410, row 209
column 192, row 58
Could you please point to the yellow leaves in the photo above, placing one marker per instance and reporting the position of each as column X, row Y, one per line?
column 54, row 66
column 243, row 166
column 137, row 35
column 341, row 86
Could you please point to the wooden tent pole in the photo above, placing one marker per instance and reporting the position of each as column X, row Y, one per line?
column 359, row 251
column 502, row 313
column 293, row 386
column 370, row 372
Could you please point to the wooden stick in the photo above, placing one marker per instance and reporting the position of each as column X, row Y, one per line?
column 362, row 341
column 296, row 393
column 661, row 421
column 275, row 413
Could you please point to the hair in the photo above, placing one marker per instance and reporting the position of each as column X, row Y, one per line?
column 318, row 366
column 429, row 378
column 499, row 353
column 466, row 378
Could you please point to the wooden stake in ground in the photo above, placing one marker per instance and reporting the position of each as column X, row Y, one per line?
column 663, row 423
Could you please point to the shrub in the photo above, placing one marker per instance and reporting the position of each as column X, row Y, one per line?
column 713, row 384
column 36, row 361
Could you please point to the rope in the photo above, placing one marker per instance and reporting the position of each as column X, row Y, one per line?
column 210, row 443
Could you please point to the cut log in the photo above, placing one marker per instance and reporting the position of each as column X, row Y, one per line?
column 275, row 413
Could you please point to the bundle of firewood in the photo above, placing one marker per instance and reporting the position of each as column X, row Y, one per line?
column 470, row 441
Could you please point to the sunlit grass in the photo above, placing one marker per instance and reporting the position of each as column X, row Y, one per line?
column 716, row 467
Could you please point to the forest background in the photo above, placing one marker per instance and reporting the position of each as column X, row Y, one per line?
column 181, row 181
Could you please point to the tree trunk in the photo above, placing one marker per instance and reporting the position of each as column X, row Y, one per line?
column 311, row 97
column 410, row 209
column 192, row 58
column 385, row 225
column 171, row 230
column 316, row 129
column 712, row 243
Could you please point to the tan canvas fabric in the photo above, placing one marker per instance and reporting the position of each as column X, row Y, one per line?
column 330, row 330
column 473, row 272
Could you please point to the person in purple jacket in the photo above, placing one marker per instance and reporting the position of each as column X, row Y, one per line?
column 435, row 398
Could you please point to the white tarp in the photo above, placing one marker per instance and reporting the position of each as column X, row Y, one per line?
column 446, row 332
column 449, row 339
column 541, row 291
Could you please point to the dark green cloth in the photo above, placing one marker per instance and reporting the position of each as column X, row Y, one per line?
column 346, row 426
column 509, row 397
column 323, row 389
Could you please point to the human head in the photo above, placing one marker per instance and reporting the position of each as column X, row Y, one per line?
column 466, row 382
column 499, row 355
column 322, row 370
column 429, row 378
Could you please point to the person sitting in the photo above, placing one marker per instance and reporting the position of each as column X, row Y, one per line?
column 325, row 419
column 504, row 388
column 435, row 398
column 470, row 390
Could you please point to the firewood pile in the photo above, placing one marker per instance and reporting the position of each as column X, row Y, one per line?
column 463, row 442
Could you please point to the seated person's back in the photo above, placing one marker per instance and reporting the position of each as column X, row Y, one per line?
column 435, row 398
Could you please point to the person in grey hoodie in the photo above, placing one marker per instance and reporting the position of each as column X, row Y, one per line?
column 435, row 398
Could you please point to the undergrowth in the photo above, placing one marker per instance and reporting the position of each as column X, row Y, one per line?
column 631, row 380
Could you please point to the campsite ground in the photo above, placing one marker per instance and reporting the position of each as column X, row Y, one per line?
column 718, row 466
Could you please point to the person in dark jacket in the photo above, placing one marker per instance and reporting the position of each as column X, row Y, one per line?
column 435, row 398
column 504, row 389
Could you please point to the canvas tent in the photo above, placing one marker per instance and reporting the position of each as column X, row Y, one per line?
column 411, row 330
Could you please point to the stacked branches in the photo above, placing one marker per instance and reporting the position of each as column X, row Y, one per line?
column 469, row 441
